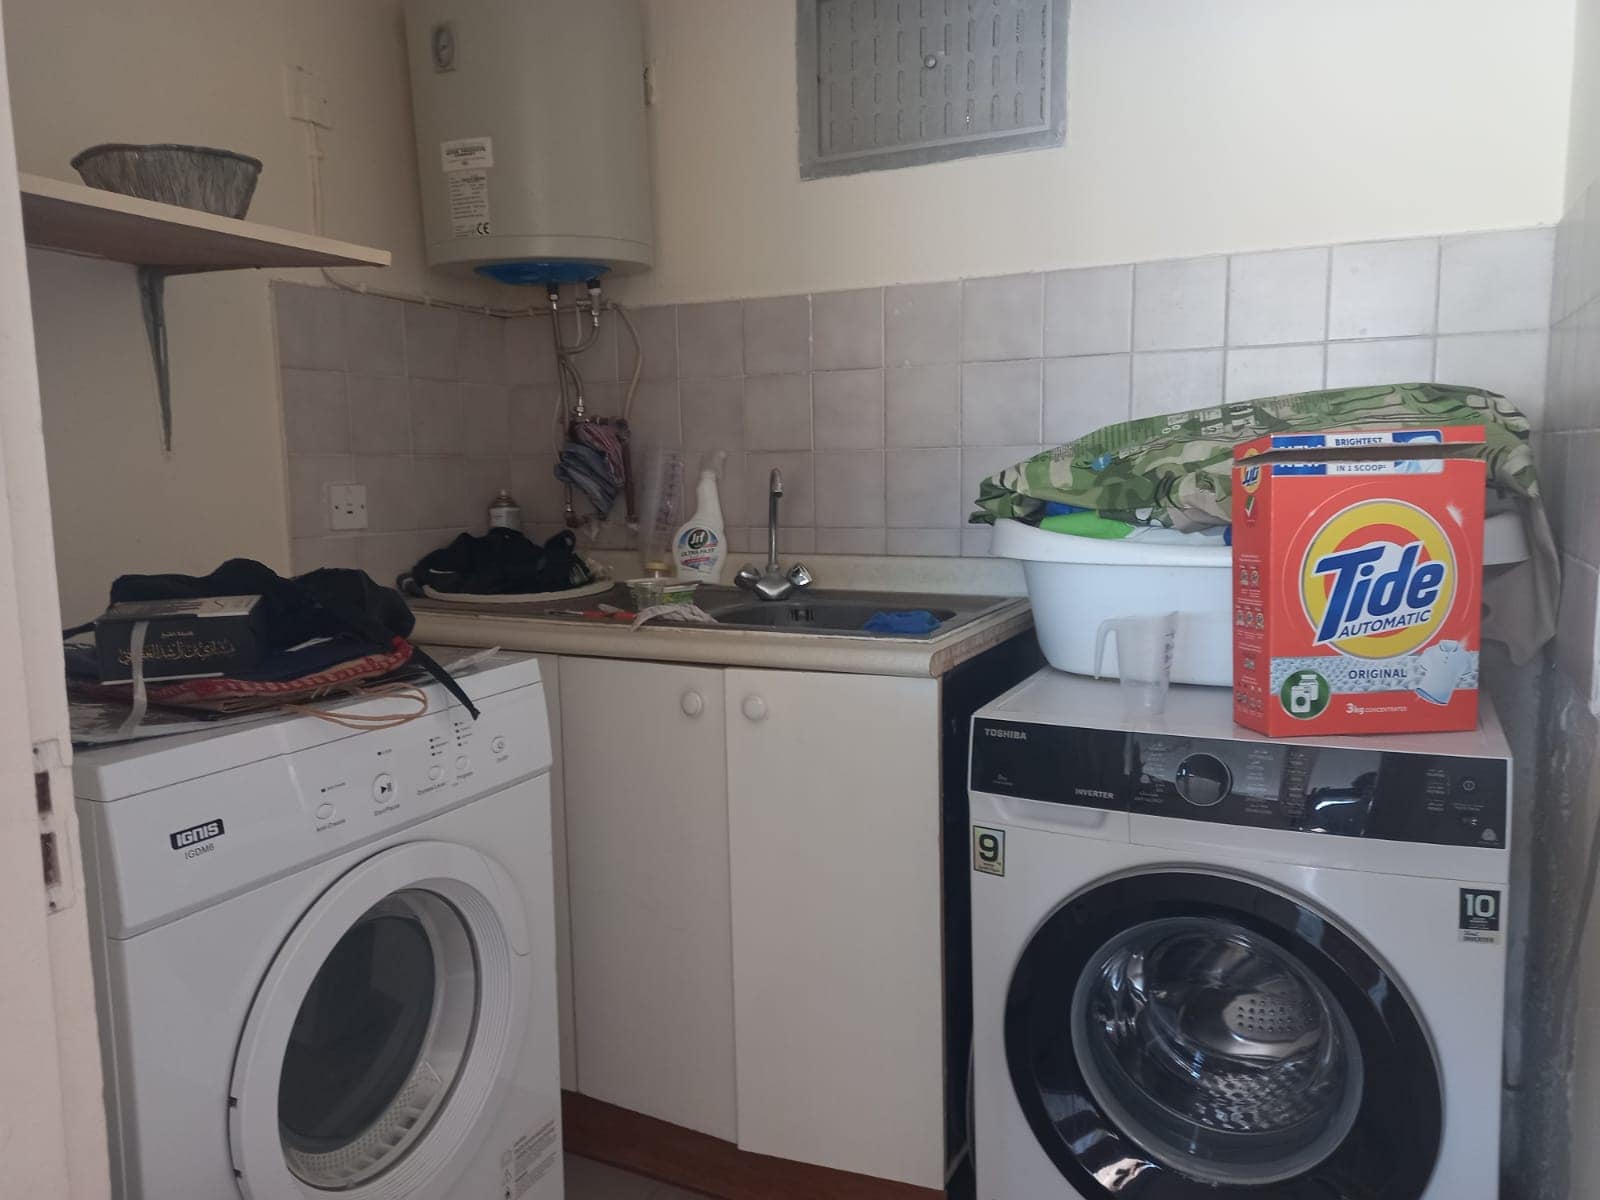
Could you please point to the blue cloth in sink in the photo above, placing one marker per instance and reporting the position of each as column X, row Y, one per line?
column 915, row 621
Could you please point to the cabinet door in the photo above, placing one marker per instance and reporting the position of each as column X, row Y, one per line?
column 833, row 809
column 647, row 860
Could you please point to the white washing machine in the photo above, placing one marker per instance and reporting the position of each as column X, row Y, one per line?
column 326, row 959
column 1206, row 964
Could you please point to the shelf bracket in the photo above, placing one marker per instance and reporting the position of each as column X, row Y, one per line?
column 153, row 302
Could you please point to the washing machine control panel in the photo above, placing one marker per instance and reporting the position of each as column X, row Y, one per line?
column 1385, row 794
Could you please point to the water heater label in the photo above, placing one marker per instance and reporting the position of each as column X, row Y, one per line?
column 467, row 154
column 468, row 193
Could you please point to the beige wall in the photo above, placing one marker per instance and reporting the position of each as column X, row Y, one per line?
column 87, row 71
column 1194, row 127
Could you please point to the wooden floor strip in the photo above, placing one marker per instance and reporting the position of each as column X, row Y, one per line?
column 701, row 1163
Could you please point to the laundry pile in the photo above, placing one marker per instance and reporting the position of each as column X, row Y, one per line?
column 1175, row 472
column 244, row 639
column 502, row 562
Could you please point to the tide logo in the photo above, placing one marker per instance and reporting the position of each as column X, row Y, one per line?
column 1378, row 579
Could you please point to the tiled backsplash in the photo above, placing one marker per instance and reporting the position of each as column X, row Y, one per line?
column 884, row 407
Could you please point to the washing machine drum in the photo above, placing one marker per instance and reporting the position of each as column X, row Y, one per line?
column 1175, row 1035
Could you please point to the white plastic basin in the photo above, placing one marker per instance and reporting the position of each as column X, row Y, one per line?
column 1074, row 583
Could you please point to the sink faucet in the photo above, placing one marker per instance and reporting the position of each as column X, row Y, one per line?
column 772, row 583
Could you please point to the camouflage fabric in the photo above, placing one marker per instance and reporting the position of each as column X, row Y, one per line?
column 1175, row 470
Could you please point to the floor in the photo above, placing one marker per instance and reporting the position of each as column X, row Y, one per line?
column 590, row 1180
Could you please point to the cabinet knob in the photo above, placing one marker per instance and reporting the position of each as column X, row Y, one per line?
column 755, row 708
column 692, row 703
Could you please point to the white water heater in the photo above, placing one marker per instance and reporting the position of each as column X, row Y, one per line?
column 531, row 137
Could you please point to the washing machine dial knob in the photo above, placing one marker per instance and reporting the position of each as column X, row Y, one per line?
column 1204, row 780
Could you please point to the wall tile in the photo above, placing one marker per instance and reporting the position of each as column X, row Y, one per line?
column 1255, row 374
column 1383, row 289
column 1391, row 360
column 1581, row 498
column 486, row 420
column 1082, row 394
column 316, row 417
column 777, row 335
column 483, row 478
column 847, row 407
column 750, row 543
column 847, row 330
column 1176, row 381
column 391, row 491
column 534, row 484
column 924, row 543
column 1088, row 311
column 1496, row 281
column 386, row 555
column 481, row 347
column 310, row 326
column 710, row 340
column 430, row 342
column 924, row 489
column 851, row 541
column 777, row 412
column 380, row 414
column 1277, row 297
column 658, row 342
column 314, row 553
column 1179, row 304
column 441, row 493
column 713, row 413
column 374, row 331
column 922, row 406
column 850, row 489
column 732, row 485
column 533, row 419
column 1512, row 364
column 1002, row 318
column 530, row 358
column 309, row 477
column 1001, row 403
column 656, row 418
column 975, row 541
column 797, row 509
column 436, row 417
column 922, row 324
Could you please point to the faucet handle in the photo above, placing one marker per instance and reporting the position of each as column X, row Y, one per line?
column 747, row 578
column 800, row 575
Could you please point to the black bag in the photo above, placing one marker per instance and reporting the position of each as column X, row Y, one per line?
column 338, row 603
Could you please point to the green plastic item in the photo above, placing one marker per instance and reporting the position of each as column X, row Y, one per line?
column 1087, row 524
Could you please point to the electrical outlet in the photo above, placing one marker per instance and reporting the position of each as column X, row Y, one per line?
column 347, row 506
column 305, row 99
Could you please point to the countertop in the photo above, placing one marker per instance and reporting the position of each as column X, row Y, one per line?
column 530, row 627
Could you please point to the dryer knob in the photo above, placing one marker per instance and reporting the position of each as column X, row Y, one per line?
column 1204, row 780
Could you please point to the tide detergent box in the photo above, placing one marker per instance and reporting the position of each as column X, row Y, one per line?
column 1358, row 568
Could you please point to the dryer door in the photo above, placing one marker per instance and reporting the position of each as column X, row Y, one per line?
column 1176, row 1035
column 387, row 1026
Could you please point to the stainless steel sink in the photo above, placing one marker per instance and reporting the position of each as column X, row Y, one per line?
column 839, row 612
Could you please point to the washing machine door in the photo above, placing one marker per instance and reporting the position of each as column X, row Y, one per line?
column 386, row 1028
column 1177, row 1035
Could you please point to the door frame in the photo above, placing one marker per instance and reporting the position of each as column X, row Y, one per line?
column 54, row 1129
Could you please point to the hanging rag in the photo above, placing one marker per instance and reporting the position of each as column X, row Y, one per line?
column 1177, row 471
column 588, row 470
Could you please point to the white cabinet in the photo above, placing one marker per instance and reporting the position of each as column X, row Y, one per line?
column 645, row 778
column 834, row 819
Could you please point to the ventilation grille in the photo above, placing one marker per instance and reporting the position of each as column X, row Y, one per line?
column 897, row 82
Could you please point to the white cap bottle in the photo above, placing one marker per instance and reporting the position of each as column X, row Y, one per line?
column 700, row 548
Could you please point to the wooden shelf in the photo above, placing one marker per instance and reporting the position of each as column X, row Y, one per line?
column 82, row 220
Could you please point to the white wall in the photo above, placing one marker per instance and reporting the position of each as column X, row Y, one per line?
column 87, row 71
column 1194, row 127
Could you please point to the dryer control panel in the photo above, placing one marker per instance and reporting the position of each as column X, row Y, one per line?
column 1390, row 795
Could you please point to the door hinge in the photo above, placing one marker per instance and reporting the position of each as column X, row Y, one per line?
column 54, row 861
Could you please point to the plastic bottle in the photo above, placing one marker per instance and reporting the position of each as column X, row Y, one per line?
column 701, row 546
column 504, row 512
